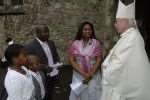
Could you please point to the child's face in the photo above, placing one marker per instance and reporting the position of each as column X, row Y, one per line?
column 35, row 65
column 22, row 58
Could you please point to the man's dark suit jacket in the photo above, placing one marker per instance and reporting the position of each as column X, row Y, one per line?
column 35, row 48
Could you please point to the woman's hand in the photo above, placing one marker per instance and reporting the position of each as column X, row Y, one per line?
column 88, row 76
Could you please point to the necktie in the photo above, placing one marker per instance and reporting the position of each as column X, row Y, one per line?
column 37, row 89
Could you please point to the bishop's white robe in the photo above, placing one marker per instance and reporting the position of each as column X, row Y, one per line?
column 126, row 69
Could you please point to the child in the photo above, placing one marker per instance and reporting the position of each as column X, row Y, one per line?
column 37, row 76
column 17, row 82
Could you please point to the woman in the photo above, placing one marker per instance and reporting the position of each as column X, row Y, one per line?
column 18, row 83
column 85, row 56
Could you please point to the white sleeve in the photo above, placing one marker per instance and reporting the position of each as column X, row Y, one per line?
column 14, row 88
column 19, row 89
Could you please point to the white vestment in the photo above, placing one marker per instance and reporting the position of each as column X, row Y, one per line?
column 126, row 70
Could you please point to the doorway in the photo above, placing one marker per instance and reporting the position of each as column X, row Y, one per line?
column 143, row 22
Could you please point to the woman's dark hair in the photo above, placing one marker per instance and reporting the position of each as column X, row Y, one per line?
column 13, row 51
column 80, row 30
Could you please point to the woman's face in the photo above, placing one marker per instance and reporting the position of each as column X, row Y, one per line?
column 87, row 31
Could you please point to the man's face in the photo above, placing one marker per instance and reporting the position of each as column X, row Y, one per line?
column 43, row 36
column 121, row 25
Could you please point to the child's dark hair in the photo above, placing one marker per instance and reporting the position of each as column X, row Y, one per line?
column 13, row 51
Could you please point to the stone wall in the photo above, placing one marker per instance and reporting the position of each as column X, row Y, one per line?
column 63, row 18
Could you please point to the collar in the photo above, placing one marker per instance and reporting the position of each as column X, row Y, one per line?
column 127, row 32
column 11, row 42
column 41, row 42
column 32, row 73
column 89, row 42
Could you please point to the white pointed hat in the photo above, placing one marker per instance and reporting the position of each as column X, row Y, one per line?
column 126, row 9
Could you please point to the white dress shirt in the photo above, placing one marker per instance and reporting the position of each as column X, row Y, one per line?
column 47, row 51
column 40, row 81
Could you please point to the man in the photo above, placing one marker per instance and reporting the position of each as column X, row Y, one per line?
column 45, row 49
column 126, row 69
